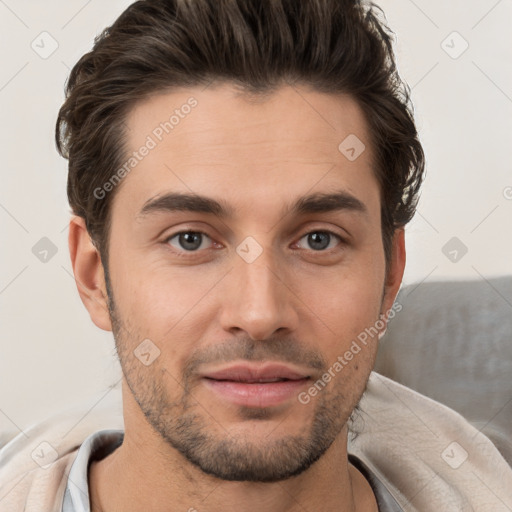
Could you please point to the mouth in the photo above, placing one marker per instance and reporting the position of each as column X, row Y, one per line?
column 255, row 381
column 256, row 386
column 272, row 372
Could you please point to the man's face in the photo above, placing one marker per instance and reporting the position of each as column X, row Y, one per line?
column 263, row 283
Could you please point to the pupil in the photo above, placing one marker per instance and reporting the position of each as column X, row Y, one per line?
column 319, row 238
column 189, row 240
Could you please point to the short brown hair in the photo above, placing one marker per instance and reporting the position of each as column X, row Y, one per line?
column 331, row 46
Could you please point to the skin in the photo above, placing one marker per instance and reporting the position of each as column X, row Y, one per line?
column 295, row 303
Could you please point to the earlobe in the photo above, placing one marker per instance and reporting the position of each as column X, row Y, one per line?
column 89, row 273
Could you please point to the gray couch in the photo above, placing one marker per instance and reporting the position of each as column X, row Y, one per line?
column 452, row 342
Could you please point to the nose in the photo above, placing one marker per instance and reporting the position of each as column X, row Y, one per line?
column 259, row 299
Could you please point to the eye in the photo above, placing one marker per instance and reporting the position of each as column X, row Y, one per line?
column 189, row 241
column 193, row 241
column 321, row 240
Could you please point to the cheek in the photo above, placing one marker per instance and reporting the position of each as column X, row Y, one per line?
column 163, row 302
column 347, row 301
column 350, row 308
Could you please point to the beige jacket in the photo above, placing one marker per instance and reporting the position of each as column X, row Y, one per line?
column 427, row 455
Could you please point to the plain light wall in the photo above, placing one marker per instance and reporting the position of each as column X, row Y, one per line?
column 52, row 355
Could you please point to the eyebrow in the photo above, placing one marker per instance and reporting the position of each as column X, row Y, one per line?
column 312, row 203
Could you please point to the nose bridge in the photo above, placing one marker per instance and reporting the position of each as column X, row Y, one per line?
column 259, row 277
column 260, row 302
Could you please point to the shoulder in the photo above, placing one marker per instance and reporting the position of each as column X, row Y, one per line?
column 428, row 455
column 34, row 471
column 34, row 465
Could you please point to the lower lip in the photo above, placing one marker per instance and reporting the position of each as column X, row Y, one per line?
column 256, row 394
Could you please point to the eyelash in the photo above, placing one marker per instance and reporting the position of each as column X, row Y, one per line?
column 187, row 254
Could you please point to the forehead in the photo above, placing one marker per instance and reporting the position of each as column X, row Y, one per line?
column 221, row 143
column 221, row 115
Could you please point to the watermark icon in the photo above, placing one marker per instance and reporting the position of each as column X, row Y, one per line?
column 454, row 249
column 249, row 250
column 44, row 455
column 377, row 329
column 152, row 140
column 507, row 193
column 454, row 455
column 44, row 250
column 147, row 352
column 45, row 45
column 454, row 45
column 351, row 147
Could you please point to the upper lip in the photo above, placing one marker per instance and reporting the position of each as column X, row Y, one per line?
column 251, row 373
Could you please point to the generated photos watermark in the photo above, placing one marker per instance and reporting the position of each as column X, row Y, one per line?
column 152, row 141
column 377, row 329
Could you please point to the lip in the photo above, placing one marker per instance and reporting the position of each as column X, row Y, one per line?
column 253, row 373
column 241, row 384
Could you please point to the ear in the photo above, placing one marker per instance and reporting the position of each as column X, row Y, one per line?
column 89, row 273
column 394, row 275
